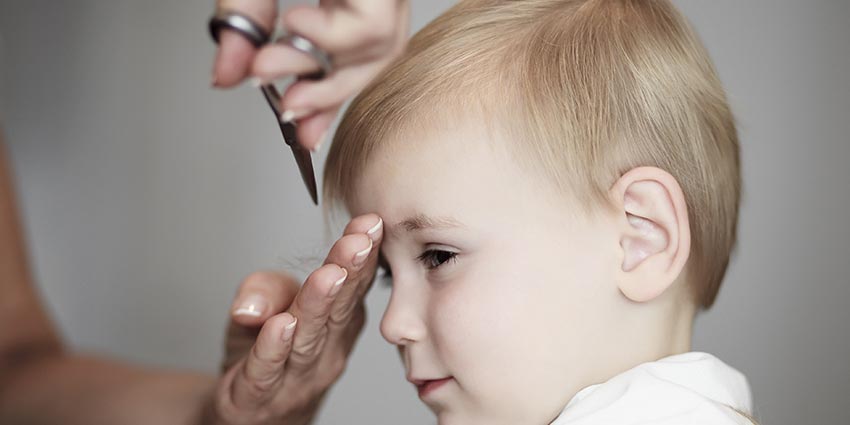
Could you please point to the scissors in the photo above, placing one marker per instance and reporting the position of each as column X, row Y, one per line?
column 257, row 36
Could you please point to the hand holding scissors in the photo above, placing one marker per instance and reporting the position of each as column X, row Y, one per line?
column 256, row 35
column 360, row 36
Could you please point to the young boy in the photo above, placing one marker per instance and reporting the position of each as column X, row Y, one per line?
column 559, row 182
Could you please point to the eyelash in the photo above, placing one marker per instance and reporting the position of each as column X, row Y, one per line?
column 430, row 259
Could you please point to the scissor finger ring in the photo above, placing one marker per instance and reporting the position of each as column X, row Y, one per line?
column 239, row 23
column 306, row 46
column 258, row 36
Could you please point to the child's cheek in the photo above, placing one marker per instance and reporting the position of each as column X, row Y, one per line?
column 483, row 325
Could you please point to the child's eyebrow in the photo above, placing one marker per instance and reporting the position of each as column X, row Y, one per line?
column 422, row 221
column 415, row 223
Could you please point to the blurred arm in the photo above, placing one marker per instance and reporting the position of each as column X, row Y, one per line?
column 41, row 383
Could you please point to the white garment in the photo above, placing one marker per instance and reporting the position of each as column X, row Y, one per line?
column 691, row 388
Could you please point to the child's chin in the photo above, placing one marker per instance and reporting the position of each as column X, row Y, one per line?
column 446, row 418
column 436, row 409
column 454, row 417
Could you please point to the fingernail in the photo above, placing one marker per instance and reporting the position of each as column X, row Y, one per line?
column 214, row 80
column 321, row 142
column 255, row 81
column 289, row 330
column 290, row 115
column 374, row 230
column 338, row 284
column 360, row 257
column 252, row 306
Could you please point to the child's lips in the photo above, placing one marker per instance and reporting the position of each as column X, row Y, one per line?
column 427, row 386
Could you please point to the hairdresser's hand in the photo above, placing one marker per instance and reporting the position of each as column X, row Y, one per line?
column 362, row 37
column 273, row 376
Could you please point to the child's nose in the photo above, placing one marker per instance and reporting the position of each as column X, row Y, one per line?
column 402, row 323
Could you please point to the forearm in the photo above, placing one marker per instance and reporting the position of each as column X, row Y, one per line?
column 41, row 384
column 25, row 328
column 89, row 390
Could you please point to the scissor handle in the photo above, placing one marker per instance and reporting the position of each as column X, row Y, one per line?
column 240, row 23
column 258, row 36
column 303, row 45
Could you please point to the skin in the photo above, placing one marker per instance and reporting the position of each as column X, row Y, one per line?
column 284, row 377
column 264, row 364
column 42, row 382
column 361, row 36
column 524, row 300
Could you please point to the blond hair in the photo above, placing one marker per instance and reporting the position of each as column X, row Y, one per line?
column 584, row 90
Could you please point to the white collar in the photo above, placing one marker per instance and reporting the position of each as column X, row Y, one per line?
column 693, row 387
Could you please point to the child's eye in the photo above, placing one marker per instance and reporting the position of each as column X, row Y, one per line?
column 434, row 258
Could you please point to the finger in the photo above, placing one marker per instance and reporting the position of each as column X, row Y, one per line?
column 235, row 52
column 311, row 307
column 262, row 369
column 262, row 295
column 364, row 227
column 351, row 296
column 341, row 339
column 314, row 131
column 343, row 29
column 278, row 60
column 233, row 59
column 329, row 92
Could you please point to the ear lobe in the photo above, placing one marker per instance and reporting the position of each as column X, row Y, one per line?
column 655, row 236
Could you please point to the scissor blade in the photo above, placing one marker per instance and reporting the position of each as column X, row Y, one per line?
column 305, row 165
column 272, row 97
column 302, row 157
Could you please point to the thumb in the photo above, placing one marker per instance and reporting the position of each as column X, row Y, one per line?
column 262, row 295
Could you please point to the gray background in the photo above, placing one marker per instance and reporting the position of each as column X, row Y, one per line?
column 147, row 196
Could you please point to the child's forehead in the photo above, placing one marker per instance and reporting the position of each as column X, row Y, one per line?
column 450, row 134
column 462, row 148
column 442, row 172
column 431, row 151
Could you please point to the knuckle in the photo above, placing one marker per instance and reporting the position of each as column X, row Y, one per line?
column 229, row 413
column 315, row 308
column 353, row 314
column 269, row 361
column 308, row 352
column 318, row 316
column 266, row 360
column 342, row 316
column 259, row 388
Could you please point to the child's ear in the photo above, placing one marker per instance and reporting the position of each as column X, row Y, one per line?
column 655, row 235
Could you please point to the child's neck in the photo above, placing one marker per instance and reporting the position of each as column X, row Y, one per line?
column 649, row 333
